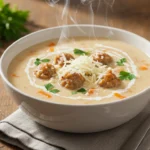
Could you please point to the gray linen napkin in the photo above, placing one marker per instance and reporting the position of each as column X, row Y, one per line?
column 18, row 129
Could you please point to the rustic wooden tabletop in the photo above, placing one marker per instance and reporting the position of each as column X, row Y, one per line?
column 125, row 14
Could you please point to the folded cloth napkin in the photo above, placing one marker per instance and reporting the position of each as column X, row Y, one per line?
column 18, row 129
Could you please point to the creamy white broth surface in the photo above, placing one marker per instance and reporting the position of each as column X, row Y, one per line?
column 21, row 71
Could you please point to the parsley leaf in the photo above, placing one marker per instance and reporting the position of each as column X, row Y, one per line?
column 45, row 60
column 126, row 75
column 82, row 90
column 38, row 61
column 49, row 87
column 54, row 91
column 121, row 62
column 12, row 22
column 80, row 52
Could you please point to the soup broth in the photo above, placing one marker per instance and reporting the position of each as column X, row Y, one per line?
column 83, row 71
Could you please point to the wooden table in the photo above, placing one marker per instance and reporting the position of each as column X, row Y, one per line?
column 124, row 16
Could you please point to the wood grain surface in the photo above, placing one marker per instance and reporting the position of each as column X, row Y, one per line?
column 130, row 15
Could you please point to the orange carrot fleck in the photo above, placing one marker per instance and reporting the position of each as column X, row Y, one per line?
column 51, row 49
column 91, row 91
column 44, row 93
column 14, row 75
column 52, row 44
column 143, row 68
column 119, row 95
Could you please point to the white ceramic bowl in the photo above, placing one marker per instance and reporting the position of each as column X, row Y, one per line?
column 76, row 118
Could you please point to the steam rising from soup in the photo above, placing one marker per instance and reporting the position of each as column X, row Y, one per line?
column 66, row 16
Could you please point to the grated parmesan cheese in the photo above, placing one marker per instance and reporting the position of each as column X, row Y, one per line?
column 84, row 65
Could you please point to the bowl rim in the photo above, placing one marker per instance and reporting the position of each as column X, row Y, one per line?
column 4, row 78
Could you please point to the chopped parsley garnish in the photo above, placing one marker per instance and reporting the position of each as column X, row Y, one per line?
column 121, row 62
column 80, row 52
column 82, row 90
column 49, row 87
column 45, row 60
column 54, row 91
column 126, row 75
column 38, row 61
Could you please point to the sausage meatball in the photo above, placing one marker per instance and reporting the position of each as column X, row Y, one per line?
column 72, row 81
column 45, row 71
column 102, row 58
column 59, row 59
column 110, row 81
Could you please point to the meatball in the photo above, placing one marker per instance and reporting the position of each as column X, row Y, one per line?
column 45, row 71
column 60, row 58
column 110, row 81
column 72, row 81
column 102, row 58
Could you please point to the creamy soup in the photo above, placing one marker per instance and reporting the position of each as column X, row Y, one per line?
column 84, row 71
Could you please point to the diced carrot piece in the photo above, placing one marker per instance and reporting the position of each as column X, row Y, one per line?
column 14, row 75
column 51, row 49
column 44, row 93
column 91, row 91
column 52, row 44
column 119, row 95
column 143, row 68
